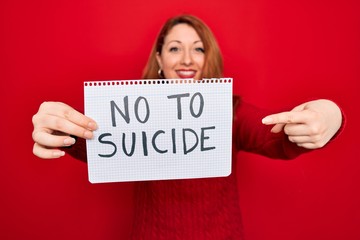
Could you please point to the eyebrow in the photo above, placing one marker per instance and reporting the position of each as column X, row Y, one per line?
column 181, row 42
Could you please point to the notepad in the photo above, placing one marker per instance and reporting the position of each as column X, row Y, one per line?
column 159, row 129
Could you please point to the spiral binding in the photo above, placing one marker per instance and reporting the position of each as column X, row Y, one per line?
column 156, row 82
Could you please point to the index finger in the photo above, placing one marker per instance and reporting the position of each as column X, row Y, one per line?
column 285, row 118
column 65, row 111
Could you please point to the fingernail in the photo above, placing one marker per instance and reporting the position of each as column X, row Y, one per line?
column 58, row 154
column 92, row 125
column 88, row 134
column 69, row 141
column 267, row 120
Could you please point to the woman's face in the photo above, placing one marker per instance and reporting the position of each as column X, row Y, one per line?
column 182, row 54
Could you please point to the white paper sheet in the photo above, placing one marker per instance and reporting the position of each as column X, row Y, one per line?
column 159, row 129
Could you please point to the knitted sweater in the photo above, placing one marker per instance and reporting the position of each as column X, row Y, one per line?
column 205, row 208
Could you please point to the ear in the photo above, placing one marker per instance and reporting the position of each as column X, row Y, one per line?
column 158, row 59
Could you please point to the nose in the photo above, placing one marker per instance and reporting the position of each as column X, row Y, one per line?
column 187, row 58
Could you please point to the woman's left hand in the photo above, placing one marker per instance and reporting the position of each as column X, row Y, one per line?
column 310, row 125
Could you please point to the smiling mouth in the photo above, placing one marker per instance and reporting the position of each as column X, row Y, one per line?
column 186, row 73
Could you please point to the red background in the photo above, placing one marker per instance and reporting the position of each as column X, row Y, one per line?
column 280, row 53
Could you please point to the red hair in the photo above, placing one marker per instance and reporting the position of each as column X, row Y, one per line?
column 213, row 67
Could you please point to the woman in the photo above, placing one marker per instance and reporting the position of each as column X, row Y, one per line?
column 195, row 208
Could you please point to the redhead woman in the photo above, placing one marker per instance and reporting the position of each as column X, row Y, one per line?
column 194, row 208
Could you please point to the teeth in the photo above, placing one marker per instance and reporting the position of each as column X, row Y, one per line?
column 186, row 73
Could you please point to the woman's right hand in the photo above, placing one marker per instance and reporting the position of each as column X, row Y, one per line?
column 54, row 125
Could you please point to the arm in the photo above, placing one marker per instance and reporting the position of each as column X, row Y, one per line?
column 55, row 125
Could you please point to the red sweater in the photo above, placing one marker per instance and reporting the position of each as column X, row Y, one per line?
column 205, row 208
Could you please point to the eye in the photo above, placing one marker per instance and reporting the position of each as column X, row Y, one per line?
column 174, row 49
column 199, row 49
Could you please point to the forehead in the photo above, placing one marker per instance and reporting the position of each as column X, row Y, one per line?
column 182, row 32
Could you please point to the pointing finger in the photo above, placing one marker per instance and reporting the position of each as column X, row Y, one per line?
column 284, row 118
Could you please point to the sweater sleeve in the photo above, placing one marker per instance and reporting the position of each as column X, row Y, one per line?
column 249, row 134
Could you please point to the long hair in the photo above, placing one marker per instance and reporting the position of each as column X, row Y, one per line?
column 213, row 66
